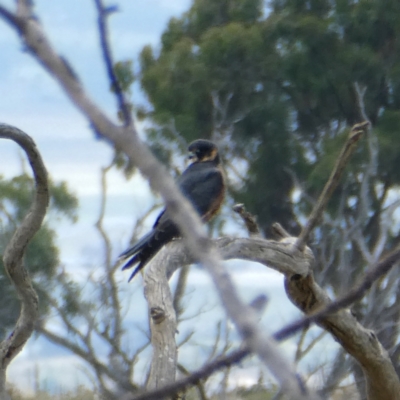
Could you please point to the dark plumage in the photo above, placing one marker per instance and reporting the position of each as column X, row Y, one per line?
column 202, row 183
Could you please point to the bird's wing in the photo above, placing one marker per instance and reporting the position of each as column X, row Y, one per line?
column 204, row 188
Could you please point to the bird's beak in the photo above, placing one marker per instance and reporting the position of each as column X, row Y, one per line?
column 192, row 157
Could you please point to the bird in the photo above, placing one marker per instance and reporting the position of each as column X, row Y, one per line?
column 203, row 184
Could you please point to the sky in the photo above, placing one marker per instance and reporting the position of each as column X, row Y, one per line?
column 31, row 100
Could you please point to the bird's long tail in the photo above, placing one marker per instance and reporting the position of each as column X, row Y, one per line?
column 144, row 250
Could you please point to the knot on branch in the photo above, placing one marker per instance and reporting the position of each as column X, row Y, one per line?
column 157, row 315
column 301, row 293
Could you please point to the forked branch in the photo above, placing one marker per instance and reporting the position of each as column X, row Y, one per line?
column 125, row 138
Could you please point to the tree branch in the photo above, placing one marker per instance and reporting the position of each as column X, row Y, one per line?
column 248, row 219
column 127, row 140
column 103, row 13
column 14, row 252
column 195, row 377
column 355, row 135
column 304, row 292
column 163, row 324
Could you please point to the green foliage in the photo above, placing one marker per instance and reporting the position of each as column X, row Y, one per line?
column 205, row 14
column 124, row 73
column 62, row 201
column 71, row 297
column 276, row 90
column 217, row 53
column 389, row 145
column 41, row 258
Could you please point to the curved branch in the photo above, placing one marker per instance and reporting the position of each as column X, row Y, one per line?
column 310, row 298
column 283, row 256
column 14, row 252
column 126, row 139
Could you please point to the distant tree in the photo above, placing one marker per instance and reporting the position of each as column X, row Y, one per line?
column 93, row 312
column 244, row 76
column 42, row 254
column 277, row 87
column 218, row 75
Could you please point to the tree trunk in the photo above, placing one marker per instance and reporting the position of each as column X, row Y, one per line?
column 162, row 321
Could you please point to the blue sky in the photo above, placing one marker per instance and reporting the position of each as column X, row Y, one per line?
column 31, row 100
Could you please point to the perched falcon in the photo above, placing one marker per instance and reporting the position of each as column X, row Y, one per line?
column 202, row 183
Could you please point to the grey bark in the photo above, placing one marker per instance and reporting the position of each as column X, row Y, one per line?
column 162, row 321
column 14, row 252
column 126, row 139
column 301, row 287
column 382, row 381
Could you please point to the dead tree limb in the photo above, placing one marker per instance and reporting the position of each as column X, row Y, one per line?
column 355, row 135
column 162, row 322
column 310, row 298
column 14, row 253
column 249, row 220
column 126, row 139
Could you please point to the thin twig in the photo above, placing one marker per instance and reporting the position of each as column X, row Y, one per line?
column 180, row 291
column 279, row 231
column 103, row 13
column 355, row 135
column 249, row 220
column 127, row 139
column 200, row 385
column 195, row 377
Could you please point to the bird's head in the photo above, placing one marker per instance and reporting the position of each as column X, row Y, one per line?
column 203, row 150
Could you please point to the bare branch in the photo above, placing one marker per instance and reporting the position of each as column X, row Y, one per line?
column 304, row 292
column 104, row 323
column 280, row 231
column 381, row 378
column 115, row 336
column 300, row 352
column 126, row 139
column 249, row 220
column 371, row 166
column 99, row 222
column 381, row 269
column 200, row 386
column 180, row 291
column 103, row 13
column 355, row 135
column 195, row 377
column 162, row 322
column 360, row 94
column 14, row 252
